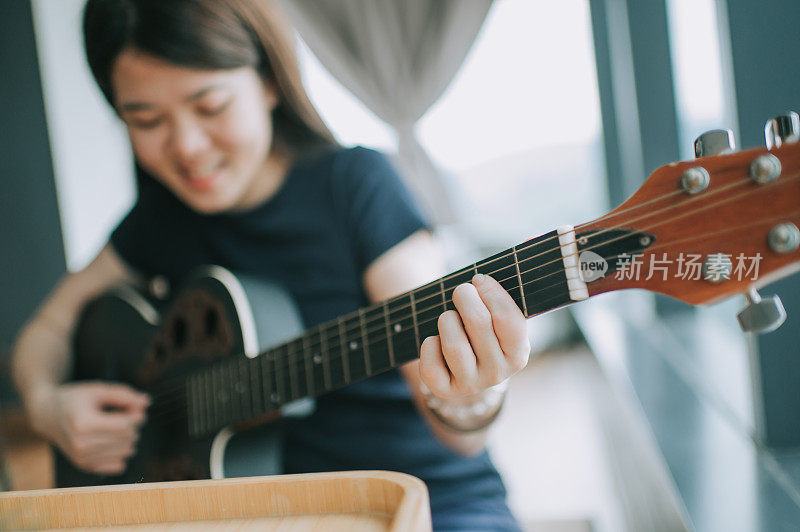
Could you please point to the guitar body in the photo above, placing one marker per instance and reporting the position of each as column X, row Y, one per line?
column 125, row 336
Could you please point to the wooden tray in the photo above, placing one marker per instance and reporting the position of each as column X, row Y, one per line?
column 354, row 501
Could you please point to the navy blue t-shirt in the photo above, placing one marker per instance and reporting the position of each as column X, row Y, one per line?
column 335, row 213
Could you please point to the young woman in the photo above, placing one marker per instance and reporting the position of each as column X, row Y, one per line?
column 236, row 168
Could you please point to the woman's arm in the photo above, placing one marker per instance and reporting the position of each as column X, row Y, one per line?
column 479, row 346
column 73, row 415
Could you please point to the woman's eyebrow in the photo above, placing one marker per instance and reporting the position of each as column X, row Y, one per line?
column 144, row 106
column 135, row 106
column 202, row 92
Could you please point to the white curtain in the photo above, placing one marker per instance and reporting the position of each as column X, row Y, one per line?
column 397, row 57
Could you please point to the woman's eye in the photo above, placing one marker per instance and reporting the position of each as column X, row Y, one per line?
column 213, row 110
column 145, row 124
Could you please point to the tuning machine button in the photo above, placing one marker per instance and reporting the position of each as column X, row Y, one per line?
column 783, row 129
column 761, row 315
column 695, row 180
column 714, row 142
column 784, row 238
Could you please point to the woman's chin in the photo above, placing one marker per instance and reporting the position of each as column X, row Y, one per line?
column 209, row 204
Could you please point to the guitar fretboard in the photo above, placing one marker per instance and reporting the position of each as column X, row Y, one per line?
column 371, row 340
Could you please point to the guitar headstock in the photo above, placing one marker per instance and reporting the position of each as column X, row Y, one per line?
column 720, row 225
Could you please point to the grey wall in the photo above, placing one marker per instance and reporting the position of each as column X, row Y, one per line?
column 32, row 256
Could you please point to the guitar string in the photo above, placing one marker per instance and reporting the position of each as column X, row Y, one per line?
column 380, row 341
column 278, row 357
column 295, row 364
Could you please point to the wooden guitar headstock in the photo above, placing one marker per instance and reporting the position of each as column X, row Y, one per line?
column 719, row 225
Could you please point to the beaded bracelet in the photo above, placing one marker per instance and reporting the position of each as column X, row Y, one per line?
column 467, row 417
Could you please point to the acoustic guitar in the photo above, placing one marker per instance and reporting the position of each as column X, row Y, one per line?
column 228, row 352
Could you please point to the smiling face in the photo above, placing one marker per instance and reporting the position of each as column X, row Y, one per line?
column 205, row 134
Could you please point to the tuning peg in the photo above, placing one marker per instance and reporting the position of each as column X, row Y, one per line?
column 714, row 142
column 782, row 129
column 761, row 315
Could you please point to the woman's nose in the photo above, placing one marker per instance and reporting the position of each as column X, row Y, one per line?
column 187, row 140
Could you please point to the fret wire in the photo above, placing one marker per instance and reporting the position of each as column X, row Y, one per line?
column 217, row 392
column 235, row 388
column 244, row 389
column 345, row 354
column 364, row 343
column 290, row 357
column 224, row 402
column 309, row 368
column 235, row 399
column 247, row 365
column 191, row 404
column 245, row 384
column 272, row 378
column 215, row 399
column 232, row 395
column 388, row 333
column 209, row 402
column 444, row 299
column 272, row 383
column 220, row 399
column 326, row 366
column 201, row 418
column 414, row 316
column 519, row 278
column 280, row 383
column 266, row 385
column 196, row 399
column 255, row 390
column 237, row 404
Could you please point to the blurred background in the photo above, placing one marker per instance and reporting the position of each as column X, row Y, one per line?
column 637, row 412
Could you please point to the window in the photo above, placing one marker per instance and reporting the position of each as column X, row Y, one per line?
column 348, row 119
column 519, row 127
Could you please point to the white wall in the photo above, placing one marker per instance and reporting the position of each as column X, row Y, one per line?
column 91, row 155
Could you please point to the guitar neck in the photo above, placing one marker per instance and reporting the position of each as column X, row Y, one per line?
column 540, row 274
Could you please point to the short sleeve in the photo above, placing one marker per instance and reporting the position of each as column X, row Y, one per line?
column 379, row 209
column 130, row 238
column 157, row 235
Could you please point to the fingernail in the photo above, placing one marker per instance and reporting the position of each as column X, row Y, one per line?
column 478, row 279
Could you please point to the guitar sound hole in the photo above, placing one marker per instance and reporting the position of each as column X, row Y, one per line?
column 179, row 333
column 212, row 323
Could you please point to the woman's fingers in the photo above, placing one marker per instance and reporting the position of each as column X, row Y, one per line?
column 433, row 368
column 508, row 322
column 458, row 354
column 480, row 345
column 481, row 337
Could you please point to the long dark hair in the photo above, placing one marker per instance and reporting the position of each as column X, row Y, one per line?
column 209, row 34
